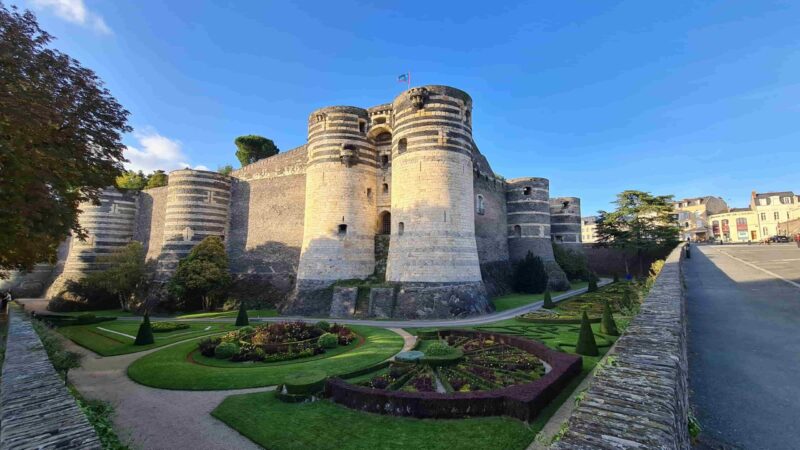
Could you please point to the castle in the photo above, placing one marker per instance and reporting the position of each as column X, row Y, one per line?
column 398, row 194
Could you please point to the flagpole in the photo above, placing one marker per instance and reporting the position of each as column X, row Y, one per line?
column 409, row 79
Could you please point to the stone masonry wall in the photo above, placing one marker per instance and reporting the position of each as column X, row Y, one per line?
column 641, row 399
column 150, row 220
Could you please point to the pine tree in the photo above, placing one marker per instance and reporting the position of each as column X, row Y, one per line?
column 616, row 277
column 145, row 334
column 607, row 324
column 241, row 319
column 548, row 300
column 586, row 343
column 592, row 285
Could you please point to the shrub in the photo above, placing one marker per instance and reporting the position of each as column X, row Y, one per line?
column 145, row 334
column 226, row 350
column 85, row 319
column 574, row 264
column 586, row 343
column 530, row 276
column 607, row 324
column 323, row 325
column 207, row 346
column 548, row 300
column 438, row 349
column 308, row 382
column 166, row 327
column 616, row 277
column 328, row 340
column 592, row 285
column 242, row 319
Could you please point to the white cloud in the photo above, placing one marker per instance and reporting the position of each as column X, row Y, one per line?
column 155, row 152
column 74, row 11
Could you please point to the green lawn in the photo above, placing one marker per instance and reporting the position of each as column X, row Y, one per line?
column 101, row 312
column 325, row 425
column 103, row 338
column 170, row 369
column 511, row 301
column 251, row 313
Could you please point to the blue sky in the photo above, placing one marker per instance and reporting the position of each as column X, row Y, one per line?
column 684, row 98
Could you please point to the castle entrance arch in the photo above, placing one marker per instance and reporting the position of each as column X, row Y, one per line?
column 385, row 223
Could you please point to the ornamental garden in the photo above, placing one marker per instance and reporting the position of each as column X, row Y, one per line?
column 336, row 385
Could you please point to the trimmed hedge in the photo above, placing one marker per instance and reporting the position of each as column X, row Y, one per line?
column 522, row 401
column 307, row 382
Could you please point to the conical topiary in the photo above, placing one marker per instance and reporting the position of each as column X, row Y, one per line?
column 586, row 343
column 548, row 300
column 616, row 277
column 592, row 284
column 145, row 334
column 607, row 324
column 242, row 320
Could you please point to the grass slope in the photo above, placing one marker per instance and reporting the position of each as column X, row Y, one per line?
column 170, row 369
column 251, row 313
column 325, row 425
column 105, row 343
column 511, row 301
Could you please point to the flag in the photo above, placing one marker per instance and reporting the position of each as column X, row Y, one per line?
column 402, row 78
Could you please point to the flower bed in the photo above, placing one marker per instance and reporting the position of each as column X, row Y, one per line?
column 166, row 327
column 281, row 341
column 498, row 375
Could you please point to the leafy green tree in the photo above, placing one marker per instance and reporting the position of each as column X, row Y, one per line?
column 241, row 319
column 251, row 148
column 592, row 285
column 60, row 142
column 125, row 273
column 574, row 264
column 607, row 324
column 203, row 272
column 64, row 360
column 130, row 180
column 530, row 275
column 586, row 343
column 548, row 300
column 157, row 179
column 225, row 170
column 641, row 223
column 145, row 334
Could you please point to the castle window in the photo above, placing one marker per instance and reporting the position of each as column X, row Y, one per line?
column 386, row 223
column 526, row 190
column 468, row 117
column 559, row 238
column 384, row 161
column 362, row 126
column 480, row 207
column 342, row 230
column 369, row 193
column 517, row 231
column 401, row 227
column 402, row 145
column 385, row 188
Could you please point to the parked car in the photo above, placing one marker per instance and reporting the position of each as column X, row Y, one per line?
column 779, row 239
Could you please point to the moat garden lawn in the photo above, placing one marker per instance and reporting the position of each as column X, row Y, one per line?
column 176, row 368
column 116, row 337
column 511, row 301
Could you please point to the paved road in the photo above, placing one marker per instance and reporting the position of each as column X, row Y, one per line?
column 744, row 344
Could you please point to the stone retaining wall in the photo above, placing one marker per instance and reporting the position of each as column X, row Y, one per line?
column 640, row 398
column 36, row 410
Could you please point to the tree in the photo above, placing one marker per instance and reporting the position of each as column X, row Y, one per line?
column 241, row 318
column 251, row 148
column 574, row 264
column 640, row 224
column 157, row 179
column 607, row 324
column 64, row 360
column 125, row 273
column 592, row 285
column 130, row 180
column 548, row 300
column 586, row 343
column 60, row 136
column 530, row 275
column 203, row 272
column 225, row 170
column 145, row 334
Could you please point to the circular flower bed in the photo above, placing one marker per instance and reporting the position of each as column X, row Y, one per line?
column 279, row 341
column 492, row 375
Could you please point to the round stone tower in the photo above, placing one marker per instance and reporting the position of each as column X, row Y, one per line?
column 109, row 225
column 528, row 211
column 339, row 226
column 432, row 249
column 565, row 220
column 198, row 206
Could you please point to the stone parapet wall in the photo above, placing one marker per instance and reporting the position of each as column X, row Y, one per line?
column 640, row 399
column 36, row 409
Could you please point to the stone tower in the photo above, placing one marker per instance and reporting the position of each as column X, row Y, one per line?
column 433, row 221
column 528, row 212
column 339, row 225
column 110, row 226
column 565, row 219
column 198, row 206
